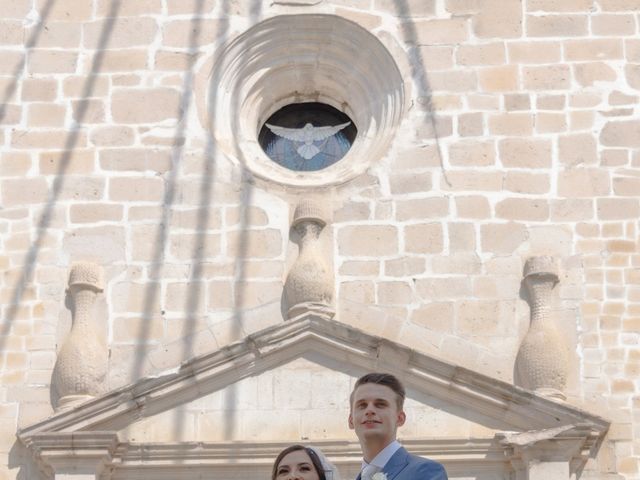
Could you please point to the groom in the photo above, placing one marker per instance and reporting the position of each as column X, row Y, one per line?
column 376, row 413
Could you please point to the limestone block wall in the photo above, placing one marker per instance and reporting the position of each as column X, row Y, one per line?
column 521, row 137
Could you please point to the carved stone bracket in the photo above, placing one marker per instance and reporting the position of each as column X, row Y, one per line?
column 543, row 356
column 309, row 284
column 81, row 366
column 550, row 454
column 77, row 455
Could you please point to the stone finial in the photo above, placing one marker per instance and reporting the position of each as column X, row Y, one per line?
column 543, row 356
column 309, row 284
column 86, row 274
column 541, row 265
column 81, row 366
column 309, row 211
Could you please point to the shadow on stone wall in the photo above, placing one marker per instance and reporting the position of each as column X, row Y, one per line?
column 18, row 72
column 16, row 457
column 419, row 73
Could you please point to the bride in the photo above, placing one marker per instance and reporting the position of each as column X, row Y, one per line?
column 298, row 462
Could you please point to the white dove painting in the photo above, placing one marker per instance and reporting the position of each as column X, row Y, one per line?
column 307, row 136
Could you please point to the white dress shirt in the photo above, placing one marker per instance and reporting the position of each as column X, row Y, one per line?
column 384, row 456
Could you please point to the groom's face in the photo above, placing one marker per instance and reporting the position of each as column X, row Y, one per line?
column 375, row 414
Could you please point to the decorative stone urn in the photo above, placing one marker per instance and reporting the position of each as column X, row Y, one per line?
column 81, row 366
column 309, row 284
column 543, row 356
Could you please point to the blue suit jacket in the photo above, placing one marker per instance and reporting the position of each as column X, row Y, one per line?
column 404, row 466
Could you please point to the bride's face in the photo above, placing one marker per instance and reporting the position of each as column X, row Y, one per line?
column 296, row 466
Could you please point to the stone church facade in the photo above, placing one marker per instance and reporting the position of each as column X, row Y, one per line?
column 181, row 298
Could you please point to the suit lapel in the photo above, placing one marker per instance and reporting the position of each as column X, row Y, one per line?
column 396, row 463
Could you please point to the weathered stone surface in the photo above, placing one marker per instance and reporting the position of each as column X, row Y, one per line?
column 583, row 182
column 265, row 243
column 498, row 79
column 502, row 238
column 422, row 208
column 100, row 244
column 410, row 8
column 557, row 25
column 472, row 153
column 130, row 9
column 46, row 114
column 522, row 209
column 368, row 240
column 24, row 191
column 130, row 159
column 16, row 8
column 487, row 54
column 556, row 77
column 52, row 62
column 499, row 19
column 472, row 207
column 621, row 134
column 524, row 182
column 440, row 31
column 192, row 33
column 145, row 105
column 511, row 124
column 612, row 24
column 587, row 74
column 517, row 137
column 470, row 125
column 577, row 150
column 426, row 238
column 617, row 209
column 59, row 35
column 123, row 32
column 67, row 10
column 542, row 52
column 566, row 6
column 136, row 189
column 593, row 50
column 525, row 153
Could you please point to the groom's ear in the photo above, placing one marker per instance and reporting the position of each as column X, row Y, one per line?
column 351, row 425
column 402, row 417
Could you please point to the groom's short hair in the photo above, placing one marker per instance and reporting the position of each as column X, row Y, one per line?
column 385, row 379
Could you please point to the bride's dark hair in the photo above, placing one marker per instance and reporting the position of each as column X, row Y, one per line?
column 315, row 460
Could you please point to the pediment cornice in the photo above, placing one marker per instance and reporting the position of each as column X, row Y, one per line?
column 522, row 410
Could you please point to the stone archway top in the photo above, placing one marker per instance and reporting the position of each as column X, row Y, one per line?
column 522, row 410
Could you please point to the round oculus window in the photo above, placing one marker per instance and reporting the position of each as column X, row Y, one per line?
column 306, row 137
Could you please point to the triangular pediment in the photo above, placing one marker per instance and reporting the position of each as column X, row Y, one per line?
column 304, row 398
column 454, row 391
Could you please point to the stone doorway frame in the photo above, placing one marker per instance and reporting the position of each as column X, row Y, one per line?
column 549, row 440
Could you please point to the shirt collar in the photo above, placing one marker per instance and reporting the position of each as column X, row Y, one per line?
column 384, row 456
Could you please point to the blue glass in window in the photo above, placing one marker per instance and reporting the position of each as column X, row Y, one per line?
column 306, row 137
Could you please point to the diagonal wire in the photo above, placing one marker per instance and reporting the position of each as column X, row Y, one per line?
column 231, row 393
column 162, row 233
column 419, row 71
column 58, row 182
column 19, row 70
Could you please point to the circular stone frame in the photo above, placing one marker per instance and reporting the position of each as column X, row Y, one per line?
column 304, row 58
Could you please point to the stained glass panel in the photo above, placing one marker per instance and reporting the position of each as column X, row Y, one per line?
column 306, row 137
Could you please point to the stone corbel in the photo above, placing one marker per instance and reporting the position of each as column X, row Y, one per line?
column 310, row 282
column 550, row 454
column 72, row 456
